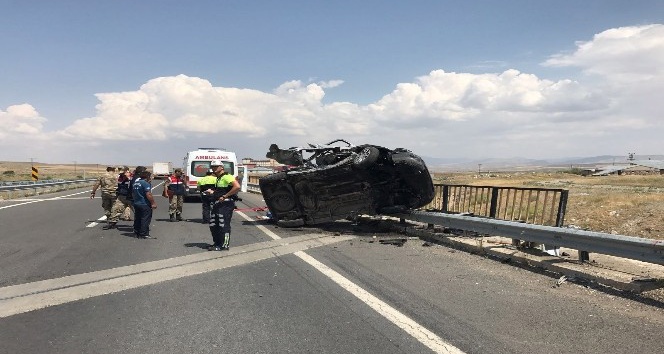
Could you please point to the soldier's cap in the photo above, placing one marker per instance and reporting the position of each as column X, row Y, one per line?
column 110, row 168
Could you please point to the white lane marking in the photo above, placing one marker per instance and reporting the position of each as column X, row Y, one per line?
column 260, row 227
column 417, row 331
column 22, row 298
column 30, row 201
column 94, row 223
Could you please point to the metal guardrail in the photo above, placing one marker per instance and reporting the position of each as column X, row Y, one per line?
column 25, row 190
column 641, row 249
column 29, row 184
column 645, row 250
column 253, row 188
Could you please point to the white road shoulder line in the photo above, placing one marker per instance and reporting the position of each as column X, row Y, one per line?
column 33, row 296
column 417, row 331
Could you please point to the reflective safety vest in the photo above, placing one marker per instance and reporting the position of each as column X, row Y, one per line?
column 224, row 183
column 176, row 185
column 207, row 182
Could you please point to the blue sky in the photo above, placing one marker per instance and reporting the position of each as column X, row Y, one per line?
column 141, row 81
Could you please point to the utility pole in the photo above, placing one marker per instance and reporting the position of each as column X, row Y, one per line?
column 479, row 168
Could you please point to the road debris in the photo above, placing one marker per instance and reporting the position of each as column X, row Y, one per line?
column 394, row 241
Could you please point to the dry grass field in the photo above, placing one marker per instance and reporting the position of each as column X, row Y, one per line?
column 21, row 171
column 630, row 205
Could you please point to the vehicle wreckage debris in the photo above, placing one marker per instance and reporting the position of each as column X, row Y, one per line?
column 393, row 241
column 339, row 180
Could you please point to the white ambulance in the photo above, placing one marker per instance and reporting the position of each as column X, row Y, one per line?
column 196, row 164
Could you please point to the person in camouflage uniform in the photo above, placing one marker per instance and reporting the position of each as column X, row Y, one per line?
column 122, row 203
column 108, row 182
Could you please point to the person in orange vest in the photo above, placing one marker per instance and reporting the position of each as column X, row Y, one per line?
column 174, row 191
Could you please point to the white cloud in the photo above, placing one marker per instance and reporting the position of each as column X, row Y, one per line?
column 509, row 113
column 20, row 120
column 625, row 54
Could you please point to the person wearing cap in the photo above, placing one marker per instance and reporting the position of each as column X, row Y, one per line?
column 122, row 205
column 144, row 203
column 222, row 206
column 174, row 190
column 108, row 184
column 204, row 183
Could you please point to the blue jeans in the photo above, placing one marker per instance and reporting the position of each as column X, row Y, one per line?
column 142, row 219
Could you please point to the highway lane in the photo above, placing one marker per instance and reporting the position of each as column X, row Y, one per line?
column 264, row 296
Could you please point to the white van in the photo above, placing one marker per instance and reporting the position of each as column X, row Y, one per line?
column 196, row 164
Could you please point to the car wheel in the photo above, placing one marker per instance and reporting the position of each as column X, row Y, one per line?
column 366, row 157
column 282, row 201
column 416, row 177
column 291, row 223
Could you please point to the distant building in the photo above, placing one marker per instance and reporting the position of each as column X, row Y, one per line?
column 262, row 165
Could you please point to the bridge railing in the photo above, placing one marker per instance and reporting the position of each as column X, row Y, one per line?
column 540, row 206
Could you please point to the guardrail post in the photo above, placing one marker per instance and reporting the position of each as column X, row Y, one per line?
column 562, row 205
column 446, row 197
column 493, row 207
column 584, row 256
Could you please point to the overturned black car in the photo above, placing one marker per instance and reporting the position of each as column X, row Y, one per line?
column 337, row 182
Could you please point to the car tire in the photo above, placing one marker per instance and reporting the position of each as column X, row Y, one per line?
column 366, row 157
column 416, row 176
column 281, row 201
column 278, row 196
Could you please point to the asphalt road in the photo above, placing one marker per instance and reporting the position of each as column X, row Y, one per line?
column 67, row 286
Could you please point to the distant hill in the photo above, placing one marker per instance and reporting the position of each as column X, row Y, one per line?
column 521, row 164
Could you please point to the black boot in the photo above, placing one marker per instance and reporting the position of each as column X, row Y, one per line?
column 178, row 217
column 110, row 225
column 172, row 217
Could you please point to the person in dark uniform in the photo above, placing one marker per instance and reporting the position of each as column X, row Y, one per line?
column 144, row 203
column 135, row 176
column 205, row 183
column 222, row 206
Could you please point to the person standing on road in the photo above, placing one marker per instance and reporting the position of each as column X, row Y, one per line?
column 222, row 206
column 144, row 203
column 126, row 213
column 174, row 191
column 108, row 184
column 122, row 202
column 134, row 177
column 205, row 183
